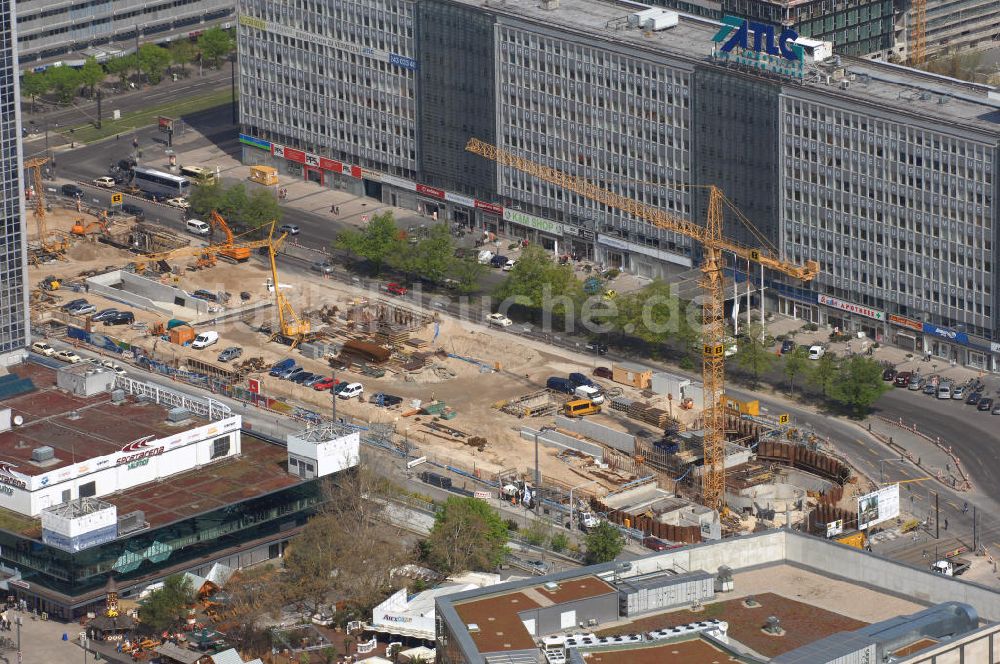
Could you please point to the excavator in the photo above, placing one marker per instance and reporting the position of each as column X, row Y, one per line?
column 230, row 250
column 205, row 256
column 81, row 228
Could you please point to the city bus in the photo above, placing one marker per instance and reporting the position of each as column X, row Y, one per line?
column 198, row 175
column 160, row 183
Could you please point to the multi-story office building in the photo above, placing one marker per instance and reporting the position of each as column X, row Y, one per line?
column 955, row 25
column 69, row 32
column 883, row 174
column 13, row 242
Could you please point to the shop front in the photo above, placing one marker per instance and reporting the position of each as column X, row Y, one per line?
column 527, row 227
column 906, row 333
column 849, row 317
column 642, row 260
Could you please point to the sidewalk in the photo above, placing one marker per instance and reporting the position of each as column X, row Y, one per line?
column 931, row 456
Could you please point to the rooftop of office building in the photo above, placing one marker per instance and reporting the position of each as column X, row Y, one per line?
column 882, row 84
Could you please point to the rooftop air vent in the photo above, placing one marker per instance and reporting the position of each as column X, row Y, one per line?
column 178, row 415
column 44, row 453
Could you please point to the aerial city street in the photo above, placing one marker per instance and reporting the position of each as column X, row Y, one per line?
column 525, row 331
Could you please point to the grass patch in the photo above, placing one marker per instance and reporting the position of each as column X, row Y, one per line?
column 17, row 523
column 88, row 133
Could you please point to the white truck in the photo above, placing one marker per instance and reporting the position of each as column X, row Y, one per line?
column 588, row 521
column 951, row 566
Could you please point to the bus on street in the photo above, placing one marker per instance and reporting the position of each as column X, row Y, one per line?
column 162, row 184
column 198, row 175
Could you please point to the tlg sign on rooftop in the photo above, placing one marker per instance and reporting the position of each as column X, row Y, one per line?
column 754, row 45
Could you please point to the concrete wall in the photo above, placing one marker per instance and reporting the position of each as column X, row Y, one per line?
column 610, row 437
column 562, row 441
column 145, row 293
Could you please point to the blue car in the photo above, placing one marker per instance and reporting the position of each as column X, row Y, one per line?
column 282, row 366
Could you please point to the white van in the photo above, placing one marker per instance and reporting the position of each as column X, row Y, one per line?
column 595, row 394
column 205, row 339
column 198, row 227
column 816, row 352
column 485, row 256
column 351, row 391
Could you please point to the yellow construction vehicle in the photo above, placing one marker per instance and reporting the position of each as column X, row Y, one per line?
column 49, row 284
column 291, row 327
column 713, row 333
column 238, row 254
column 205, row 256
column 81, row 228
column 49, row 243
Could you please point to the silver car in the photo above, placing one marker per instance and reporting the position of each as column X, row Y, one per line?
column 323, row 267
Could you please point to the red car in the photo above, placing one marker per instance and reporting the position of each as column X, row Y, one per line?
column 395, row 288
column 654, row 543
column 325, row 384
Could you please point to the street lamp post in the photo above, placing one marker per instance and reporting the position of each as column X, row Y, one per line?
column 578, row 486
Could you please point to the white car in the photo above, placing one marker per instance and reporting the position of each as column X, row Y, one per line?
column 205, row 339
column 509, row 265
column 178, row 203
column 43, row 348
column 67, row 356
column 499, row 320
column 351, row 391
column 105, row 182
column 816, row 352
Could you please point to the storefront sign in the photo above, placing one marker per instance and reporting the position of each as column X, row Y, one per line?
column 459, row 199
column 902, row 321
column 659, row 254
column 7, row 476
column 331, row 165
column 312, row 160
column 852, row 308
column 393, row 181
column 531, row 221
column 994, row 347
column 430, row 191
column 403, row 61
column 388, row 617
column 946, row 333
column 138, row 464
column 298, row 156
column 489, row 207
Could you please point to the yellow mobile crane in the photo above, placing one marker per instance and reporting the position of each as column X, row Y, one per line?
column 291, row 327
column 710, row 237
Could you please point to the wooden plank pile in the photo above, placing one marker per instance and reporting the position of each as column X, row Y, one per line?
column 391, row 335
column 643, row 412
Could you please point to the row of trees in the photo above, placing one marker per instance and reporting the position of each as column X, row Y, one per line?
column 151, row 63
column 430, row 256
column 255, row 209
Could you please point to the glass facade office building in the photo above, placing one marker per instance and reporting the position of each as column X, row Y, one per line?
column 883, row 174
column 13, row 242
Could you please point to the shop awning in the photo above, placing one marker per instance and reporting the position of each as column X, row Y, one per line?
column 401, row 631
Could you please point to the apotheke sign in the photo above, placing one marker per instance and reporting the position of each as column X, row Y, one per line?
column 850, row 307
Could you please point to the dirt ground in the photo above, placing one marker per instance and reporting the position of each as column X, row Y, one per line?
column 514, row 368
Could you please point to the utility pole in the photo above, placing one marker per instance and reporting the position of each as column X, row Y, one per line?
column 937, row 517
column 334, row 395
column 17, row 620
column 98, row 107
column 538, row 477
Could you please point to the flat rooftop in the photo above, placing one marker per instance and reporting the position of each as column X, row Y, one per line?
column 693, row 651
column 76, row 428
column 892, row 86
column 501, row 629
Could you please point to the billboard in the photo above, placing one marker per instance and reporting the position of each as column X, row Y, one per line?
column 878, row 506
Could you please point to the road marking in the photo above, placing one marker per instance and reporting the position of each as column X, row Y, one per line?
column 952, row 504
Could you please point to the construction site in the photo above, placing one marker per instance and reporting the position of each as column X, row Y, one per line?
column 474, row 399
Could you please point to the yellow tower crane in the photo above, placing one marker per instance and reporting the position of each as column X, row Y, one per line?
column 49, row 244
column 918, row 33
column 713, row 333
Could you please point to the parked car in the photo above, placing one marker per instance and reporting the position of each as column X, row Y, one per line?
column 498, row 261
column 539, row 567
column 205, row 339
column 323, row 267
column 654, row 543
column 916, row 382
column 560, row 384
column 385, row 400
column 206, row 295
column 889, row 374
column 82, row 309
column 291, row 229
column 290, row 372
column 43, row 348
column 282, row 366
column 509, row 265
column 603, row 372
column 67, row 356
column 974, row 398
column 499, row 320
column 395, row 289
column 996, row 409
column 985, row 405
column 930, row 388
column 315, row 378
column 134, row 210
column 958, row 392
column 71, row 190
column 301, row 377
column 103, row 314
column 340, row 387
column 597, row 347
column 105, row 182
column 324, row 383
column 120, row 318
column 902, row 379
column 73, row 303
column 944, row 391
column 787, row 346
column 816, row 352
column 230, row 353
column 352, row 390
column 579, row 379
column 179, row 203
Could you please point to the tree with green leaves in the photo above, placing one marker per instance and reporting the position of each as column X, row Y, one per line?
column 182, row 52
column 603, row 544
column 467, row 272
column 823, row 373
column 468, row 534
column 121, row 66
column 153, row 61
column 215, row 44
column 34, row 85
column 433, row 255
column 261, row 209
column 541, row 285
column 559, row 542
column 796, row 364
column 64, row 81
column 858, row 384
column 752, row 355
column 205, row 198
column 91, row 74
column 234, row 201
column 166, row 607
column 378, row 242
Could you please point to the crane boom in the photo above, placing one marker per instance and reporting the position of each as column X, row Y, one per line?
column 713, row 322
column 292, row 327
